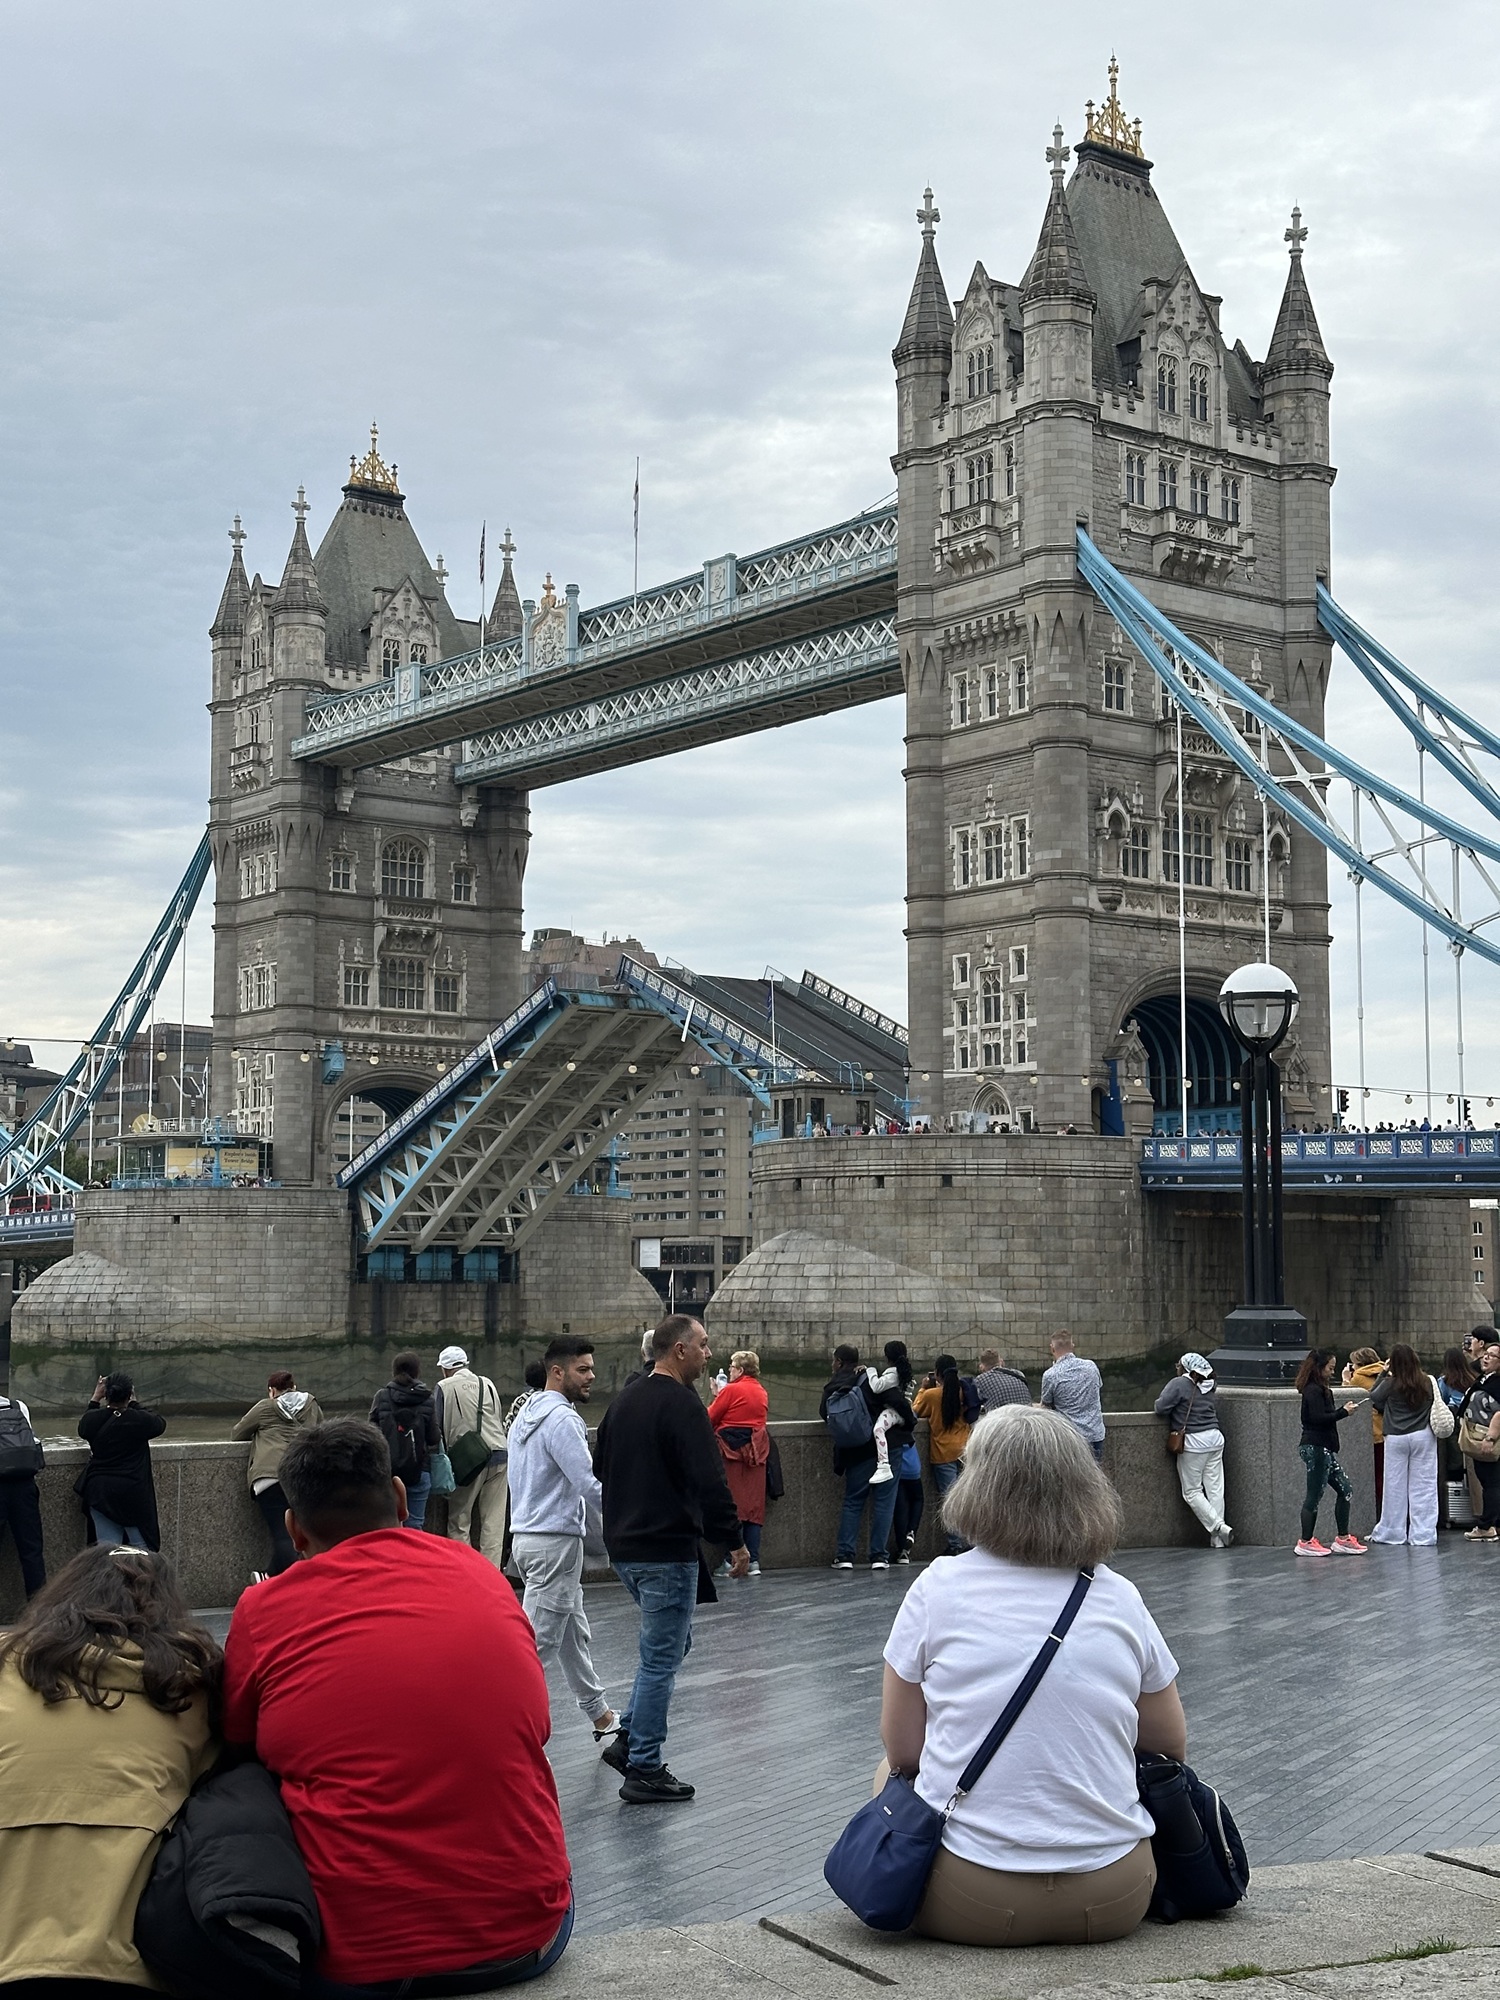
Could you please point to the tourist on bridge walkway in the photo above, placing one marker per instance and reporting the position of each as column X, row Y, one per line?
column 664, row 1494
column 1194, row 1436
column 116, row 1487
column 1319, row 1452
column 738, row 1414
column 468, row 1405
column 552, row 1491
column 1405, row 1397
column 1074, row 1388
column 272, row 1423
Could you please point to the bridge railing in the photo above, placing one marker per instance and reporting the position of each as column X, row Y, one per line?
column 1320, row 1148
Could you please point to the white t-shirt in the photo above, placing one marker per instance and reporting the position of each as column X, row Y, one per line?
column 1059, row 1795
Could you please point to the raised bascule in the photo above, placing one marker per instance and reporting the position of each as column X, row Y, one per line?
column 1104, row 591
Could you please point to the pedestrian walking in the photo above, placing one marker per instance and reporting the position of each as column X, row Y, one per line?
column 940, row 1401
column 552, row 1488
column 849, row 1407
column 996, row 1385
column 1319, row 1452
column 468, row 1405
column 738, row 1414
column 1074, row 1388
column 116, row 1487
column 1192, row 1418
column 21, row 1459
column 1403, row 1396
column 1479, row 1439
column 664, row 1493
column 405, row 1414
column 271, row 1424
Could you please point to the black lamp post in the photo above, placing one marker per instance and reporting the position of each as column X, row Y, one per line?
column 1264, row 1338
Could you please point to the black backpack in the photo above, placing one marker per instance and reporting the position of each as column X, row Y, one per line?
column 399, row 1429
column 1201, row 1865
column 20, row 1450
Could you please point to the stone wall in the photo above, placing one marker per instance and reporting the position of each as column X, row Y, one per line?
column 1011, row 1236
column 213, row 1533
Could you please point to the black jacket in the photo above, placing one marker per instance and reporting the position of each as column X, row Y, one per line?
column 1320, row 1420
column 117, row 1479
column 411, row 1404
column 663, row 1476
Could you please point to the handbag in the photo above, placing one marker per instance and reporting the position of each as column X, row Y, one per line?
column 470, row 1454
column 1474, row 1441
column 1201, row 1865
column 440, row 1470
column 1439, row 1417
column 880, row 1863
column 1177, row 1441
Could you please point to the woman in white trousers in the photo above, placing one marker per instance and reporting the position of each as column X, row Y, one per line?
column 1187, row 1404
column 1409, row 1506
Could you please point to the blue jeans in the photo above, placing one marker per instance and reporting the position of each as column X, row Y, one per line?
column 857, row 1490
column 666, row 1593
column 475, row 1979
column 944, row 1477
column 416, row 1501
column 752, row 1539
column 111, row 1535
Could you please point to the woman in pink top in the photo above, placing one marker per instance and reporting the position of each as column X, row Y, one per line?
column 738, row 1415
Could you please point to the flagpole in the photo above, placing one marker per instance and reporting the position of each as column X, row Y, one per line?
column 482, row 526
column 635, row 580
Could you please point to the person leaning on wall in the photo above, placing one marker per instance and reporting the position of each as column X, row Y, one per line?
column 272, row 1423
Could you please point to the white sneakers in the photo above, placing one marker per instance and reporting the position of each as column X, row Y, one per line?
column 882, row 1475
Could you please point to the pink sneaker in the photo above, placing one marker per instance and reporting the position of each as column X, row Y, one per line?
column 1349, row 1545
column 1312, row 1548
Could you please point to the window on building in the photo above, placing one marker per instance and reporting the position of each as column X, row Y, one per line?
column 1135, row 852
column 1198, row 393
column 1015, row 1038
column 418, row 652
column 1009, row 461
column 1019, row 961
column 463, row 883
column 257, row 987
column 1198, row 490
column 991, row 693
column 247, row 875
column 1229, row 500
column 403, row 871
column 952, row 487
column 1020, row 845
column 960, row 700
column 445, row 993
column 961, row 968
column 1198, row 840
column 1239, row 864
column 991, row 1019
column 257, row 652
column 992, row 852
column 963, row 859
column 341, row 871
column 963, row 1038
column 979, row 473
column 1115, row 672
column 1166, row 386
column 403, row 984
column 1135, row 478
column 1020, row 686
column 356, row 986
column 981, row 371
column 390, row 655
column 1166, row 482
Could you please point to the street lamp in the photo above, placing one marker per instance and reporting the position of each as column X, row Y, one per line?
column 1264, row 1338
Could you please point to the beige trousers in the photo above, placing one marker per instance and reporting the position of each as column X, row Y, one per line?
column 476, row 1512
column 967, row 1904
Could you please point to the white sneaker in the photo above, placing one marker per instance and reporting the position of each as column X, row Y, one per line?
column 754, row 1570
column 1226, row 1536
column 881, row 1476
column 841, row 1564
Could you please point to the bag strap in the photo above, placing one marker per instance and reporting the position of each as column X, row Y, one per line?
column 1011, row 1714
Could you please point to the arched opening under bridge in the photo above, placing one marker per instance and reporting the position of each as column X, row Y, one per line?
column 1213, row 1064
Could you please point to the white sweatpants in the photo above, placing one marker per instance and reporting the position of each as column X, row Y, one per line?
column 552, row 1568
column 1409, row 1508
column 1201, row 1477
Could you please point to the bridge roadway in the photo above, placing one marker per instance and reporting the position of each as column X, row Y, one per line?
column 747, row 644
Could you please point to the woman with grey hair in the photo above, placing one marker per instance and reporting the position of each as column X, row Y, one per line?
column 1192, row 1417
column 1053, row 1845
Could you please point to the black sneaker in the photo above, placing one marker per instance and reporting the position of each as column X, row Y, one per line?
column 655, row 1787
column 616, row 1752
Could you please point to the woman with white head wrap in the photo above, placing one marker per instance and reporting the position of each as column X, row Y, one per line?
column 1187, row 1403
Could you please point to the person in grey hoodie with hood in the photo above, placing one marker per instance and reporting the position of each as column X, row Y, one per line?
column 272, row 1423
column 552, row 1489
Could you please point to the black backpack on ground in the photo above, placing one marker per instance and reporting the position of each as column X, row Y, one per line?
column 1201, row 1865
column 20, row 1451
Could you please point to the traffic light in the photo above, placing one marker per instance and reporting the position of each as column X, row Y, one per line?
column 1343, row 1102
column 1463, row 1111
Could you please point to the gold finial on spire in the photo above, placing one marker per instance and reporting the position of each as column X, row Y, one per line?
column 1108, row 126
column 372, row 471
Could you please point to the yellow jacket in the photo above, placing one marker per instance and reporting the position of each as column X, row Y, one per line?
column 85, row 1796
column 1365, row 1377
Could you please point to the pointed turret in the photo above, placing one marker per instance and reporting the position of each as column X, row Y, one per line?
column 299, row 580
column 1297, row 345
column 229, row 619
column 1057, row 269
column 927, row 332
column 505, row 619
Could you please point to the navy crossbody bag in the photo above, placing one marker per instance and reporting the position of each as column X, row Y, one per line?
column 880, row 1863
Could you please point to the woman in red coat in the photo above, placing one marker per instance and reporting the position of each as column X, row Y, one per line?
column 738, row 1415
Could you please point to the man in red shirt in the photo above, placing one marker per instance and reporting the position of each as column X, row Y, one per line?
column 435, row 1848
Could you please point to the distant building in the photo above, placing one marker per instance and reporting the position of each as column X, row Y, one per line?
column 1484, row 1236
column 23, row 1084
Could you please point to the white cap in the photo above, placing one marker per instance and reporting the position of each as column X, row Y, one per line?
column 453, row 1357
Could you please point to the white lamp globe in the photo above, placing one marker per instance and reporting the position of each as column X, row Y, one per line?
column 1259, row 1002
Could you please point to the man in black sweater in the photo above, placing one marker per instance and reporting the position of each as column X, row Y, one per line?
column 664, row 1492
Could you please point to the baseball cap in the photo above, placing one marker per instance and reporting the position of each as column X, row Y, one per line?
column 453, row 1357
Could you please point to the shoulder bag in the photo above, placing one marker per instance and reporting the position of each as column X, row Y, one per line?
column 880, row 1863
column 1201, row 1865
column 1439, row 1416
column 1474, row 1439
column 470, row 1454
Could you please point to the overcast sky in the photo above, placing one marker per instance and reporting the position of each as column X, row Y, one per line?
column 536, row 240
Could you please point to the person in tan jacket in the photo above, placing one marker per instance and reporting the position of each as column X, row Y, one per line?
column 272, row 1423
column 468, row 1402
column 105, row 1691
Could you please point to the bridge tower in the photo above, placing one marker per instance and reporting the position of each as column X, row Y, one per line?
column 1042, row 768
column 367, row 926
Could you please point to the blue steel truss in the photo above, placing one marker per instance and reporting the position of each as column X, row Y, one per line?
column 1291, row 765
column 32, row 1155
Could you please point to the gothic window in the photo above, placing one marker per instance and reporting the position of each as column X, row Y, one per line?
column 1018, row 961
column 265, row 874
column 1135, row 852
column 991, row 693
column 1009, row 461
column 981, row 371
column 403, row 984
column 1238, row 865
column 341, row 871
column 960, row 701
column 963, row 1039
column 1020, row 686
column 979, row 472
column 1115, row 683
column 992, row 841
column 1198, row 393
column 992, row 1016
column 961, row 968
column 963, row 858
column 1198, row 490
column 257, row 987
column 445, row 992
column 403, row 871
column 1166, row 482
column 390, row 655
column 356, row 986
column 257, row 653
column 1166, row 387
column 1020, row 845
column 1198, row 842
column 1229, row 500
column 418, row 652
column 952, row 486
column 1135, row 479
column 253, row 724
column 463, row 883
column 247, row 875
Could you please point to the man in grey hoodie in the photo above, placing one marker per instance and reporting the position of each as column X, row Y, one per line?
column 552, row 1488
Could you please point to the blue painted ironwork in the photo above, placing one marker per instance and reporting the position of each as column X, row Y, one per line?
column 33, row 1154
column 759, row 1065
column 36, row 1228
column 1432, row 1163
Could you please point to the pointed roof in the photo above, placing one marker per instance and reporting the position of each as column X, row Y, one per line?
column 1297, row 345
column 369, row 550
column 299, row 580
column 1057, row 270
column 505, row 621
column 928, row 326
column 230, row 616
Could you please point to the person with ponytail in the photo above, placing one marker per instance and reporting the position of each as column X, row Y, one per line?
column 1403, row 1396
column 941, row 1402
column 1319, row 1452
